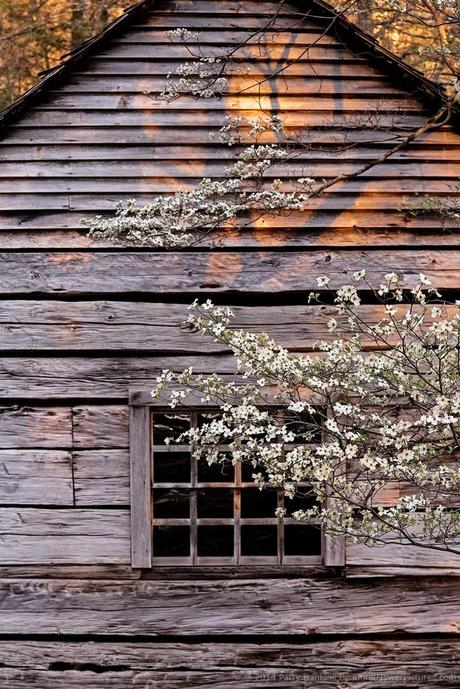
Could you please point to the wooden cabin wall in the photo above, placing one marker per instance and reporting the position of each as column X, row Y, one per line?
column 81, row 321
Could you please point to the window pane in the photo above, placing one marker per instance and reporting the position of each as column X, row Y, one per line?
column 258, row 503
column 170, row 504
column 302, row 425
column 171, row 467
column 247, row 470
column 171, row 541
column 215, row 502
column 168, row 426
column 223, row 471
column 207, row 417
column 215, row 541
column 302, row 500
column 259, row 540
column 302, row 539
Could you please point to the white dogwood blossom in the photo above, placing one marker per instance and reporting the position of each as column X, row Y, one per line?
column 368, row 423
column 205, row 211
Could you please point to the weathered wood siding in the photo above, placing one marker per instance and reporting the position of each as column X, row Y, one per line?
column 81, row 322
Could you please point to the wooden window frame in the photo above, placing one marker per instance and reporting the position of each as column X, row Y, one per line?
column 141, row 405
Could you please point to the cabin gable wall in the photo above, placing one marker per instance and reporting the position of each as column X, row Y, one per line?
column 81, row 322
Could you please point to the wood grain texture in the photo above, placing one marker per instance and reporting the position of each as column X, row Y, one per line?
column 151, row 169
column 100, row 426
column 395, row 555
column 92, row 377
column 272, row 607
column 35, row 427
column 63, row 536
column 310, row 227
column 106, row 202
column 101, row 477
column 91, row 152
column 141, row 482
column 333, row 237
column 125, row 85
column 355, row 664
column 76, row 273
column 36, row 477
column 156, row 327
column 200, row 135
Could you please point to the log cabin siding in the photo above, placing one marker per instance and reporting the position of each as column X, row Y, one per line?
column 82, row 321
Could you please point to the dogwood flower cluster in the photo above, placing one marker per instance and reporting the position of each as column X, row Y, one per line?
column 367, row 425
column 202, row 77
column 188, row 217
column 445, row 208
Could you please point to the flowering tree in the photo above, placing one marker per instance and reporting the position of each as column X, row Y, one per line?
column 189, row 217
column 259, row 183
column 369, row 425
column 374, row 411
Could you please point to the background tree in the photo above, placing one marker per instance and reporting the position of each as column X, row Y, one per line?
column 35, row 33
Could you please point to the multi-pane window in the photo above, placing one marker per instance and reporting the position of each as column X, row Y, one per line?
column 185, row 512
column 216, row 514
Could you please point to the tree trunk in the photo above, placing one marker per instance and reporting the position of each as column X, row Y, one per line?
column 79, row 22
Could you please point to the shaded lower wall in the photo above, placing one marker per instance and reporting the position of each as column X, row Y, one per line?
column 311, row 632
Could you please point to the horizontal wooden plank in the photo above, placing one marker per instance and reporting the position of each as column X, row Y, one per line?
column 246, row 20
column 409, row 186
column 35, row 427
column 188, row 51
column 213, row 118
column 287, row 102
column 93, row 152
column 101, row 477
column 258, row 68
column 66, row 536
column 222, row 607
column 155, row 272
column 80, row 82
column 18, row 238
column 310, row 228
column 154, row 327
column 100, row 426
column 117, row 572
column 131, row 172
column 302, row 34
column 354, row 663
column 92, row 377
column 99, row 202
column 200, row 135
column 35, row 477
column 394, row 555
column 224, row 7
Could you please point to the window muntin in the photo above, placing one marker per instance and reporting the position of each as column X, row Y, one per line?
column 215, row 515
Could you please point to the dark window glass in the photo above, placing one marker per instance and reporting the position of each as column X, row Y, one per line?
column 203, row 419
column 171, row 467
column 258, row 503
column 302, row 500
column 247, row 470
column 301, row 426
column 171, row 541
column 302, row 539
column 215, row 541
column 258, row 540
column 170, row 504
column 215, row 503
column 221, row 472
column 168, row 426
